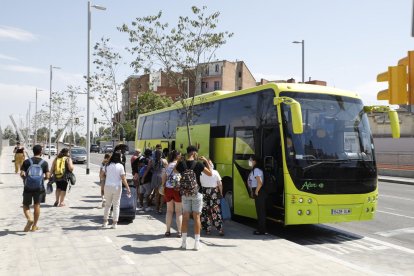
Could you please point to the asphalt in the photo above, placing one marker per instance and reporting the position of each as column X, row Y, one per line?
column 71, row 241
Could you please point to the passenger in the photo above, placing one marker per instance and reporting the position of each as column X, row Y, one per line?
column 135, row 156
column 145, row 182
column 255, row 182
column 18, row 157
column 59, row 166
column 191, row 170
column 35, row 189
column 157, row 166
column 212, row 191
column 114, row 174
column 105, row 161
column 172, row 195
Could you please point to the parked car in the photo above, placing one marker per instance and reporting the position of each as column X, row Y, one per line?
column 78, row 155
column 107, row 149
column 94, row 148
column 53, row 150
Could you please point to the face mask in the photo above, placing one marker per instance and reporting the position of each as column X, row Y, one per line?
column 250, row 163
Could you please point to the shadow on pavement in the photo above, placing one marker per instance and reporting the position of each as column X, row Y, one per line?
column 149, row 250
column 95, row 219
column 92, row 200
column 82, row 208
column 92, row 196
column 82, row 228
column 6, row 232
column 143, row 237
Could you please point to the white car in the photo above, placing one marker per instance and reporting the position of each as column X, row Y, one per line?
column 53, row 150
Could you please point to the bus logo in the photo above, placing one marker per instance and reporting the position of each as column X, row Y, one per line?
column 310, row 185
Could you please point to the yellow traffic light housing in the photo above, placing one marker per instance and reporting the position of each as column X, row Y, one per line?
column 397, row 85
column 408, row 61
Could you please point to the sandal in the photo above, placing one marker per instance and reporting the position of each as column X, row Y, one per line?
column 62, row 204
column 179, row 235
column 55, row 204
column 34, row 228
column 168, row 233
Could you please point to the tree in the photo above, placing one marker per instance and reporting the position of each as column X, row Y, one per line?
column 42, row 121
column 9, row 134
column 103, row 82
column 186, row 47
column 60, row 108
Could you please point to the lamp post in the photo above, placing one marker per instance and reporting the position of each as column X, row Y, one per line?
column 50, row 106
column 35, row 122
column 303, row 57
column 29, row 124
column 88, row 134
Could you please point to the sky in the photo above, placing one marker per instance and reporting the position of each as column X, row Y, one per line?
column 347, row 43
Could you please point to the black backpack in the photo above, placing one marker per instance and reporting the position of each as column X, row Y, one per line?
column 188, row 183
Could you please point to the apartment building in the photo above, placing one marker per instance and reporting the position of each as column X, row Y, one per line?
column 224, row 75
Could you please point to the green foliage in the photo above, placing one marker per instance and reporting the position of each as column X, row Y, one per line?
column 129, row 127
column 150, row 101
column 9, row 134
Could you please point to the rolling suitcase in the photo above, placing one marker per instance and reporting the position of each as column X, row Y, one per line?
column 128, row 205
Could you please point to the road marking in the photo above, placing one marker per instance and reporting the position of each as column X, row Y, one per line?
column 401, row 248
column 394, row 214
column 391, row 233
column 396, row 197
column 127, row 259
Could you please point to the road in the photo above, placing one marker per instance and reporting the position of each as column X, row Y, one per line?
column 385, row 244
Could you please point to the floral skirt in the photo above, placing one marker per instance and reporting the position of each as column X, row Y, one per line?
column 211, row 213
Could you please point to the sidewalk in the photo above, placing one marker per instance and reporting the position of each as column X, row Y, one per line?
column 397, row 180
column 71, row 242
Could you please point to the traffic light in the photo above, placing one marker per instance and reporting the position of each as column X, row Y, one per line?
column 397, row 85
column 95, row 120
column 408, row 61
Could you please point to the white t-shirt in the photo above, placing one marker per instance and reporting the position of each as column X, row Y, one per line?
column 252, row 181
column 210, row 181
column 113, row 174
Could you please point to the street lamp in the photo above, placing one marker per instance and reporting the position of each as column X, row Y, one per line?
column 88, row 134
column 303, row 57
column 50, row 106
column 29, row 124
column 35, row 122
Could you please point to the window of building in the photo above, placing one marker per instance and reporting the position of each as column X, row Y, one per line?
column 217, row 67
column 240, row 74
column 240, row 88
column 206, row 84
column 216, row 85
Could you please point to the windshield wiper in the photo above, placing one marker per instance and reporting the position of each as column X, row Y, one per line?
column 339, row 161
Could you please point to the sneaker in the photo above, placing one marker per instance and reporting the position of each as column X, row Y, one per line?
column 183, row 245
column 197, row 245
column 148, row 209
column 105, row 224
column 114, row 226
column 103, row 203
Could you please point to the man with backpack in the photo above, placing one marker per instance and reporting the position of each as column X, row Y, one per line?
column 192, row 200
column 33, row 171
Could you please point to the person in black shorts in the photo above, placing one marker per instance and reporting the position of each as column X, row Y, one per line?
column 61, row 163
column 30, row 196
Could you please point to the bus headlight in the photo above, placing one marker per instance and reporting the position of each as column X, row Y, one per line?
column 309, row 200
column 308, row 212
column 299, row 212
column 300, row 200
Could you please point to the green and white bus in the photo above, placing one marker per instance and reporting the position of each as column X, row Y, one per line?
column 314, row 140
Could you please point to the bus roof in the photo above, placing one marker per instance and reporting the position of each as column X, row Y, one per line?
column 278, row 87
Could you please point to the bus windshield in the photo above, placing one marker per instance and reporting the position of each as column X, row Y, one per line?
column 336, row 139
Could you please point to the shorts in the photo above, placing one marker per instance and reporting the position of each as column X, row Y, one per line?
column 62, row 185
column 171, row 194
column 192, row 203
column 35, row 197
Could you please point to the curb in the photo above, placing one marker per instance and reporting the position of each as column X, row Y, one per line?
column 396, row 181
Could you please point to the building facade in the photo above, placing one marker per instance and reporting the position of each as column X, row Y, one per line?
column 224, row 75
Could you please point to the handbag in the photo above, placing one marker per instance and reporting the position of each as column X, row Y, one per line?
column 49, row 188
column 70, row 176
column 225, row 209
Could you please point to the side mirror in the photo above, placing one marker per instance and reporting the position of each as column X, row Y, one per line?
column 296, row 112
column 395, row 123
column 296, row 118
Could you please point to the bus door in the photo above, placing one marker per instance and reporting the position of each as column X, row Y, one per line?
column 243, row 148
column 271, row 154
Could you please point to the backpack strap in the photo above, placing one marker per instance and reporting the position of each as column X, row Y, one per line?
column 193, row 165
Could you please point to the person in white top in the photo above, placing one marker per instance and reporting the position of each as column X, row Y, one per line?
column 255, row 183
column 114, row 174
column 172, row 195
column 212, row 191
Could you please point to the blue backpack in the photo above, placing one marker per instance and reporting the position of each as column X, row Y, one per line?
column 34, row 177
